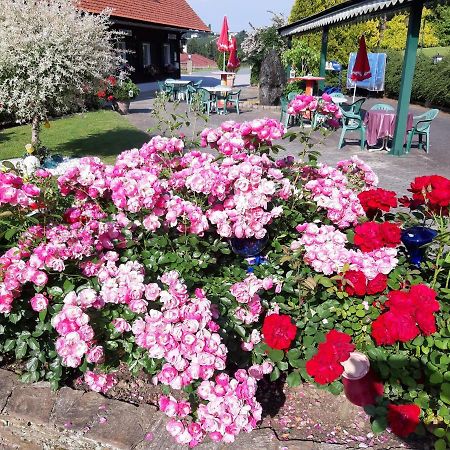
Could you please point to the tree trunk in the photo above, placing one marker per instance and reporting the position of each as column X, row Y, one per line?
column 35, row 130
column 381, row 29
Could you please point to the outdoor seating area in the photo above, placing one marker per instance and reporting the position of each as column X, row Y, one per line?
column 218, row 99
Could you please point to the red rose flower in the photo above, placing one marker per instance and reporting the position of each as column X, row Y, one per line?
column 339, row 344
column 384, row 329
column 371, row 236
column 406, row 328
column 111, row 80
column 400, row 302
column 391, row 234
column 355, row 283
column 101, row 94
column 409, row 314
column 403, row 419
column 424, row 297
column 433, row 190
column 375, row 200
column 278, row 331
column 377, row 285
column 367, row 236
column 323, row 368
column 110, row 98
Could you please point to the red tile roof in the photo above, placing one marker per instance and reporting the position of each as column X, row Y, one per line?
column 175, row 13
column 198, row 61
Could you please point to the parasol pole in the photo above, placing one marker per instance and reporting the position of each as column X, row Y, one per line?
column 354, row 93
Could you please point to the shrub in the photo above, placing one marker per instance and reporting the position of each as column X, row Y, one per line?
column 142, row 264
column 431, row 82
column 295, row 86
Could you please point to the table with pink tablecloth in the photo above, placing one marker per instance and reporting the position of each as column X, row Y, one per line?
column 380, row 124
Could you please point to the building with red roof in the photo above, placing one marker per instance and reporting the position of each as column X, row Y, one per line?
column 152, row 33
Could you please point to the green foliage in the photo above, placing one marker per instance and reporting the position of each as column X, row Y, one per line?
column 440, row 18
column 393, row 34
column 295, row 86
column 301, row 57
column 379, row 33
column 259, row 42
column 431, row 82
column 125, row 91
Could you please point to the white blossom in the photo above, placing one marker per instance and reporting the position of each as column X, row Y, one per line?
column 50, row 55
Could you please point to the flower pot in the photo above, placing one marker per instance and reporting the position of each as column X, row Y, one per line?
column 361, row 387
column 123, row 106
column 248, row 247
column 414, row 239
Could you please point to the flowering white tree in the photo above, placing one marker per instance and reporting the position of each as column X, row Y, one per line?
column 51, row 53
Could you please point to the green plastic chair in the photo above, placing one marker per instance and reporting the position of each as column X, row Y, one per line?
column 286, row 119
column 166, row 89
column 197, row 84
column 190, row 92
column 233, row 98
column 292, row 95
column 207, row 100
column 354, row 107
column 352, row 121
column 421, row 128
column 182, row 91
column 382, row 107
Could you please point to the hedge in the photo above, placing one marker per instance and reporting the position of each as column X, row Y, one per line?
column 431, row 82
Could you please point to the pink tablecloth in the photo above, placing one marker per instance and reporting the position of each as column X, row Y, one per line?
column 381, row 124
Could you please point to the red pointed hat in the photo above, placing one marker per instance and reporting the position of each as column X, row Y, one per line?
column 223, row 44
column 361, row 69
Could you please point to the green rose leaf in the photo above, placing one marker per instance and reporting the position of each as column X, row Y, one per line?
column 294, row 379
column 379, row 424
column 275, row 355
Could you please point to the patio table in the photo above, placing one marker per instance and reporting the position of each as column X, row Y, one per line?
column 177, row 86
column 380, row 124
column 339, row 100
column 310, row 82
column 220, row 93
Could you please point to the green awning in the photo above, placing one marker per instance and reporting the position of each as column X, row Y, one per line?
column 350, row 11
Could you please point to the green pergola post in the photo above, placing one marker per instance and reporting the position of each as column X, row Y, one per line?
column 288, row 67
column 409, row 63
column 323, row 56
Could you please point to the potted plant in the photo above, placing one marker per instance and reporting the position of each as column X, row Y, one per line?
column 123, row 92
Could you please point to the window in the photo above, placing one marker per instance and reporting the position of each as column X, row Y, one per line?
column 146, row 54
column 166, row 54
column 122, row 47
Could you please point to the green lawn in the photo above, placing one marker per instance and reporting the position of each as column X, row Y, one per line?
column 431, row 51
column 99, row 133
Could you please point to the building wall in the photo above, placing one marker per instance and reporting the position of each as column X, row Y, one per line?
column 158, row 39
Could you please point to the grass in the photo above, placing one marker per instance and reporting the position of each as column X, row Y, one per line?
column 432, row 51
column 101, row 133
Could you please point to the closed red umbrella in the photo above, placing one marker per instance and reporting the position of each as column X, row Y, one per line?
column 233, row 61
column 361, row 68
column 223, row 44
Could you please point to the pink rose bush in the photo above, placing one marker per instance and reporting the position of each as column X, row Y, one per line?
column 321, row 105
column 131, row 264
